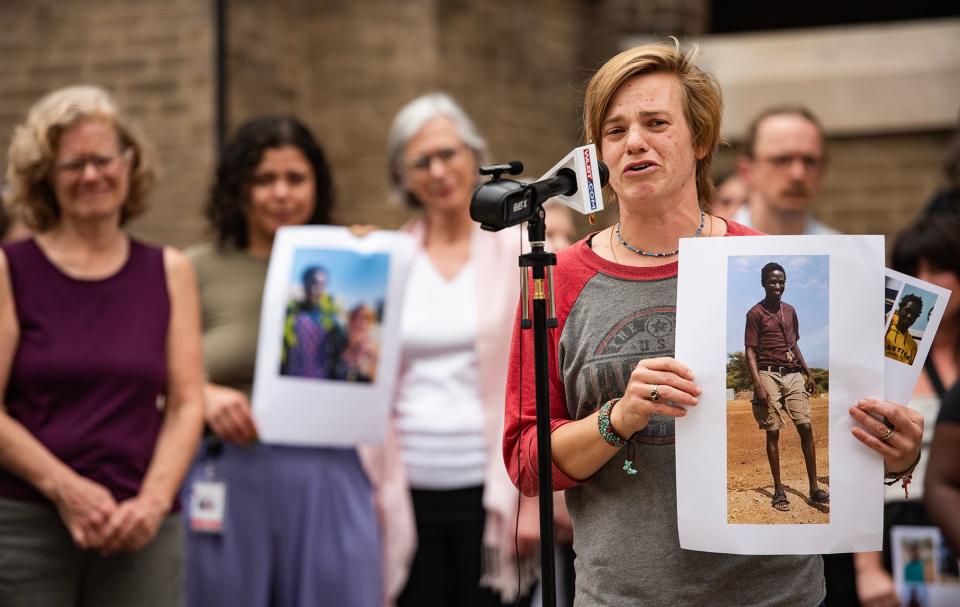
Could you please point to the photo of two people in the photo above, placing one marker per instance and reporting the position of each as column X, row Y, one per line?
column 778, row 379
column 331, row 327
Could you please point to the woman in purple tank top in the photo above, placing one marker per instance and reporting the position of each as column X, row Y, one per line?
column 100, row 369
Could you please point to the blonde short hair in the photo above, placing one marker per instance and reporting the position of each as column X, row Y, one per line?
column 33, row 150
column 702, row 99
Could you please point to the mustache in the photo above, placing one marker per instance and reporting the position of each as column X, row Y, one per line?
column 797, row 191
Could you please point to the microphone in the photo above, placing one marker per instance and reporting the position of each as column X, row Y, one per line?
column 576, row 181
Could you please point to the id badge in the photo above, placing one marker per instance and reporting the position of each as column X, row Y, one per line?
column 208, row 500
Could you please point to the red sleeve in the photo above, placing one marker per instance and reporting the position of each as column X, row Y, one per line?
column 520, row 429
column 751, row 332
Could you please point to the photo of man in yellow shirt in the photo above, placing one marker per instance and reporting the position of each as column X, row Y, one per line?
column 899, row 344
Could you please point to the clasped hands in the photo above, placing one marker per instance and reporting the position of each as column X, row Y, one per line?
column 96, row 521
column 674, row 383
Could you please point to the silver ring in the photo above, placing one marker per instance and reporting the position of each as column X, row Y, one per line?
column 886, row 437
column 655, row 393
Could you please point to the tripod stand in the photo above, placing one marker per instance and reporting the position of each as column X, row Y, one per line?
column 544, row 317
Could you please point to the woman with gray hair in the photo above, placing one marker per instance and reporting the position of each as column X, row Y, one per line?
column 455, row 332
column 100, row 369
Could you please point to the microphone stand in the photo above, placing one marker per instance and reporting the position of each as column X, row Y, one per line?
column 544, row 316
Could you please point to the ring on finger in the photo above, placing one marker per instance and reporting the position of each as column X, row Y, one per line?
column 887, row 435
column 655, row 393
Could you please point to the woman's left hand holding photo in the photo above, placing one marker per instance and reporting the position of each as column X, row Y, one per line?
column 900, row 444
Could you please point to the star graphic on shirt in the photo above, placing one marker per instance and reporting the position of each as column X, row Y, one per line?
column 659, row 326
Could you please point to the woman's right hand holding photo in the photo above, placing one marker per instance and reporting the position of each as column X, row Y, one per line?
column 227, row 412
column 656, row 387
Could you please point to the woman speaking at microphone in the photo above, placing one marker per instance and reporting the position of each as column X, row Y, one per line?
column 655, row 118
column 459, row 304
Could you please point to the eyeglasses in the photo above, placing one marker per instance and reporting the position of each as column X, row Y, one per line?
column 102, row 163
column 444, row 155
column 786, row 161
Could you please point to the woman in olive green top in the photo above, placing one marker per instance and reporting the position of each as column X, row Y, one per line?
column 299, row 526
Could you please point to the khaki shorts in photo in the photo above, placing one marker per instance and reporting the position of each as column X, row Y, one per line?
column 788, row 397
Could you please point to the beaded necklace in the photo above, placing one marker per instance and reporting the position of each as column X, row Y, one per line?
column 665, row 253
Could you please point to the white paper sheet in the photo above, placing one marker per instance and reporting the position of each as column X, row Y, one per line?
column 853, row 337
column 325, row 373
column 900, row 377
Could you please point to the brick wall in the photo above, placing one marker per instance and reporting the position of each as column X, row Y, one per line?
column 878, row 184
column 369, row 58
column 347, row 67
column 156, row 57
column 344, row 67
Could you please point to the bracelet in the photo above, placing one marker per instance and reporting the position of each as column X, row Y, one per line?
column 603, row 422
column 904, row 476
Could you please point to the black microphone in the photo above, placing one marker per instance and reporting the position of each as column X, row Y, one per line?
column 501, row 203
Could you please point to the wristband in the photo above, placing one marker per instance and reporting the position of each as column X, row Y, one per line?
column 606, row 429
column 904, row 477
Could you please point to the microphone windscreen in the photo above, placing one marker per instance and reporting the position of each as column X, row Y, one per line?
column 604, row 173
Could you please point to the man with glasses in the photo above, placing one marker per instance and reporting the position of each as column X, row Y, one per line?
column 783, row 167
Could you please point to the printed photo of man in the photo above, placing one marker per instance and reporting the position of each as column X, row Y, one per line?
column 899, row 344
column 782, row 380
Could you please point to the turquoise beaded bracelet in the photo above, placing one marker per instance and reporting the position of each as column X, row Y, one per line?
column 603, row 422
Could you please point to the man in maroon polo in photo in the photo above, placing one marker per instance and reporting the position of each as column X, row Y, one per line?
column 782, row 380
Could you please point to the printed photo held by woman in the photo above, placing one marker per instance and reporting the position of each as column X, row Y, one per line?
column 615, row 389
column 300, row 525
column 100, row 369
column 930, row 250
column 460, row 300
column 777, row 374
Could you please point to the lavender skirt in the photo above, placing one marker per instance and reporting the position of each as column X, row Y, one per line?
column 300, row 529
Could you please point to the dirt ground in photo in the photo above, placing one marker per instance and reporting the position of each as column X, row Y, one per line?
column 749, row 482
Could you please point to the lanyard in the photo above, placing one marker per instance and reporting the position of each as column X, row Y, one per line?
column 783, row 329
